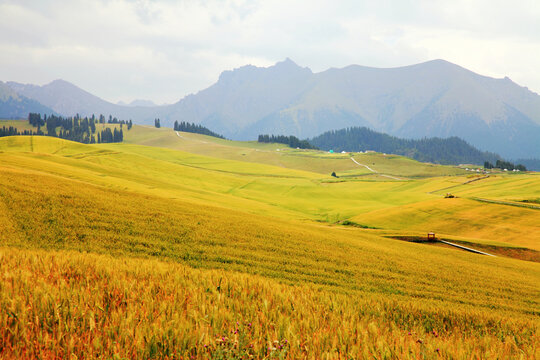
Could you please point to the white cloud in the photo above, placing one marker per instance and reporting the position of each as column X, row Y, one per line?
column 163, row 50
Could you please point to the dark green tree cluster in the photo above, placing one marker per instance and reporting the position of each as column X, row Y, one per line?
column 12, row 131
column 452, row 150
column 79, row 129
column 292, row 141
column 157, row 123
column 35, row 120
column 194, row 128
column 501, row 164
column 108, row 136
column 112, row 120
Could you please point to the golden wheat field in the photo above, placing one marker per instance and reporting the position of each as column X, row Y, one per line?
column 202, row 248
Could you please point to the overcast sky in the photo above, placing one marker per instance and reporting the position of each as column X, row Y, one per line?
column 164, row 50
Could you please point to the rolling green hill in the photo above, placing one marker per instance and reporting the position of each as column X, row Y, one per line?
column 280, row 155
column 207, row 248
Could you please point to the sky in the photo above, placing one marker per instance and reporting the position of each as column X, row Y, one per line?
column 163, row 50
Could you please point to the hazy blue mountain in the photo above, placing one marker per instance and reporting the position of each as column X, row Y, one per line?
column 69, row 100
column 243, row 97
column 436, row 98
column 137, row 102
column 15, row 106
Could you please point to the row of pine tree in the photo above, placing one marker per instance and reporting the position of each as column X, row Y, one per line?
column 79, row 129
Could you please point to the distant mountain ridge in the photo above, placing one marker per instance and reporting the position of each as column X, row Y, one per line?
column 431, row 99
column 137, row 102
column 15, row 106
column 449, row 151
column 69, row 100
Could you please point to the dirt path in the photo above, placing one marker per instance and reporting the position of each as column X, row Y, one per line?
column 465, row 248
column 367, row 167
column 374, row 171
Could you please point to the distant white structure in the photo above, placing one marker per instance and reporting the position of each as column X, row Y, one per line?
column 343, row 152
column 505, row 169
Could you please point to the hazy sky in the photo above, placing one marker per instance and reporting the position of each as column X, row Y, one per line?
column 164, row 50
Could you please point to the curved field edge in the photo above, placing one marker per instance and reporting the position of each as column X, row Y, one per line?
column 61, row 304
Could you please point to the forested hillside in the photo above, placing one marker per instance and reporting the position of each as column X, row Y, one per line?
column 292, row 141
column 452, row 150
column 195, row 128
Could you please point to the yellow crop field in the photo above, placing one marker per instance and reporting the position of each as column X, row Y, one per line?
column 67, row 304
column 132, row 251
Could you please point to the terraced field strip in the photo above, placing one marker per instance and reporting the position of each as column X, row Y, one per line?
column 500, row 202
column 457, row 185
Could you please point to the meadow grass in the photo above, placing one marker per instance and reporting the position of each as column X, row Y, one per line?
column 517, row 225
column 416, row 205
column 129, row 251
column 281, row 155
column 19, row 124
column 78, row 305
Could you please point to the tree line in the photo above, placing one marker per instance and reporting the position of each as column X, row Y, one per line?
column 447, row 151
column 12, row 131
column 79, row 129
column 501, row 164
column 194, row 128
column 292, row 141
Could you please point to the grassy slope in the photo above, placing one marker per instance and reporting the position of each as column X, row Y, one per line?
column 464, row 216
column 67, row 304
column 392, row 203
column 395, row 205
column 315, row 161
column 133, row 201
column 256, row 187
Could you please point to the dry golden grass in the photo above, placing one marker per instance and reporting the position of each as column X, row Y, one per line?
column 104, row 257
column 73, row 305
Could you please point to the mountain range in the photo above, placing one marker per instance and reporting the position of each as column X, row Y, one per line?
column 13, row 105
column 435, row 98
